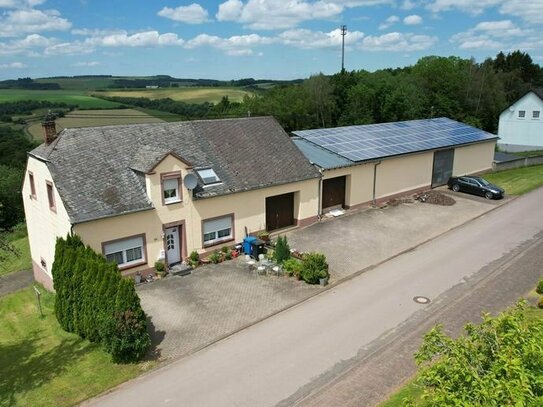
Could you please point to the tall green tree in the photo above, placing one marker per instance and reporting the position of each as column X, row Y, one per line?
column 496, row 363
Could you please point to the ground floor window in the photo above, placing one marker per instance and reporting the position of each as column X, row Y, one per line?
column 217, row 230
column 125, row 252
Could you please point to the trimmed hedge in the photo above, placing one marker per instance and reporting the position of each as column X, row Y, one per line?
column 539, row 288
column 94, row 301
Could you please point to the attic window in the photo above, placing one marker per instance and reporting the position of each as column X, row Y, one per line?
column 522, row 114
column 208, row 176
column 535, row 114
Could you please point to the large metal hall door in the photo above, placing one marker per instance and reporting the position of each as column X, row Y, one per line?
column 443, row 167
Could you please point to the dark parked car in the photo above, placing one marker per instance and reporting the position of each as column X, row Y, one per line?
column 476, row 185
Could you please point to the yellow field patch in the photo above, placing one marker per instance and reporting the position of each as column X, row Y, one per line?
column 189, row 95
column 92, row 118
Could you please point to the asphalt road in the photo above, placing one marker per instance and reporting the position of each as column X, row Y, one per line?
column 298, row 356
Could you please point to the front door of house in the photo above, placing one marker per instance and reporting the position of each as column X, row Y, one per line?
column 173, row 248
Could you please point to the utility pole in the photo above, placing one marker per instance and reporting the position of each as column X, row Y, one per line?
column 343, row 34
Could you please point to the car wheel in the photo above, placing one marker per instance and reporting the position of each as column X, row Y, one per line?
column 489, row 195
column 456, row 187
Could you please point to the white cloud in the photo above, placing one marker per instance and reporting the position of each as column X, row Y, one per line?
column 468, row 6
column 141, row 39
column 408, row 5
column 191, row 14
column 17, row 22
column 86, row 64
column 235, row 45
column 69, row 48
column 277, row 14
column 398, row 42
column 491, row 35
column 412, row 20
column 530, row 11
column 230, row 10
column 25, row 45
column 307, row 39
column 388, row 22
column 13, row 65
column 19, row 3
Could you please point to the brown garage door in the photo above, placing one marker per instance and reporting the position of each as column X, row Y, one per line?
column 279, row 211
column 333, row 192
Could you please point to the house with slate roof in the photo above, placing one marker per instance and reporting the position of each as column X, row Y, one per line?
column 146, row 192
column 521, row 124
column 122, row 189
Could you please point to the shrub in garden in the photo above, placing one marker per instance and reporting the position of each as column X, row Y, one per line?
column 282, row 250
column 540, row 302
column 96, row 302
column 292, row 267
column 539, row 288
column 215, row 257
column 194, row 258
column 314, row 267
column 160, row 266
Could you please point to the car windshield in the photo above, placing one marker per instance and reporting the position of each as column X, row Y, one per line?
column 483, row 181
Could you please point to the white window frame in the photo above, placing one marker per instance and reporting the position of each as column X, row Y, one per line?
column 536, row 114
column 177, row 197
column 124, row 247
column 212, row 174
column 216, row 227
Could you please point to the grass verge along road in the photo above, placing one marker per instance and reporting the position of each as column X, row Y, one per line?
column 41, row 365
column 518, row 181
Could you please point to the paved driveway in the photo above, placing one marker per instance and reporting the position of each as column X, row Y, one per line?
column 187, row 313
column 190, row 312
column 364, row 238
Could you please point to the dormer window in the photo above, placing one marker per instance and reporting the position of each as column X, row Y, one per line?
column 208, row 176
column 171, row 191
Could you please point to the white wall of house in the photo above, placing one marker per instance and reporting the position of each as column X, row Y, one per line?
column 519, row 133
column 43, row 223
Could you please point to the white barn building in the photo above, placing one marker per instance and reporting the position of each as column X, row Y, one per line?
column 521, row 124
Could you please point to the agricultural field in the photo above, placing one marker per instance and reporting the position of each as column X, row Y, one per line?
column 188, row 95
column 90, row 118
column 71, row 97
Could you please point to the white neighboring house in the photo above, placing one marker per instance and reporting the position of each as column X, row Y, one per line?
column 521, row 124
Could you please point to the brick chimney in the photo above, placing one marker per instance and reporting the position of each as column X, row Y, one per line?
column 49, row 129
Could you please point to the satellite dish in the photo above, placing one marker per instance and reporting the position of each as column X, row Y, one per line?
column 190, row 181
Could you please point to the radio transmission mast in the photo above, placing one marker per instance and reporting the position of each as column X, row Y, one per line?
column 343, row 34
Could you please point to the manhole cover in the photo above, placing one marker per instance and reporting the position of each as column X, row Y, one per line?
column 421, row 300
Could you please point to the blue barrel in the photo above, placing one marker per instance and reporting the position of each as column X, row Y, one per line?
column 247, row 243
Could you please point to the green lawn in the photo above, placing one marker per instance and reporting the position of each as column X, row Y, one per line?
column 41, row 365
column 22, row 261
column 73, row 97
column 518, row 181
column 532, row 153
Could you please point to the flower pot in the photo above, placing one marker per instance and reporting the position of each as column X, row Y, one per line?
column 137, row 278
column 323, row 281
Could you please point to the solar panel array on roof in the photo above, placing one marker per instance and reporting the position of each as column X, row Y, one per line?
column 372, row 141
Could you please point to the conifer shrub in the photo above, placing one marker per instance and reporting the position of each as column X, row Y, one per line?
column 314, row 267
column 539, row 288
column 94, row 301
column 282, row 250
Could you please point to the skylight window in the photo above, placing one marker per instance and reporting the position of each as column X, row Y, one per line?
column 208, row 176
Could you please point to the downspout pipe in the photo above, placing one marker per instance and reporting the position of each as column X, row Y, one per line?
column 374, row 201
column 320, row 192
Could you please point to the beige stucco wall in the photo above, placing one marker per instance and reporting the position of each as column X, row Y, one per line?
column 473, row 158
column 403, row 174
column 358, row 182
column 43, row 225
column 248, row 209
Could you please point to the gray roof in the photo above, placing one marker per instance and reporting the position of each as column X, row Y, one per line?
column 319, row 156
column 377, row 141
column 99, row 171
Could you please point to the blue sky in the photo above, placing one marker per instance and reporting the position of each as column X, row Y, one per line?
column 275, row 39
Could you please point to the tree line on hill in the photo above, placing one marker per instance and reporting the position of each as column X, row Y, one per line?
column 28, row 83
column 27, row 107
column 461, row 89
